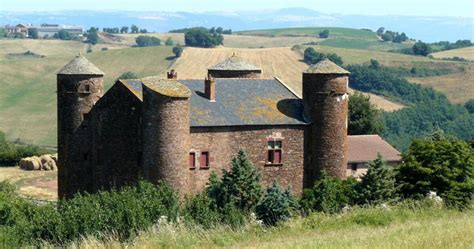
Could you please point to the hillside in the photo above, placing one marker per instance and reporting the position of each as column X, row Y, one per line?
column 28, row 87
column 281, row 62
column 466, row 53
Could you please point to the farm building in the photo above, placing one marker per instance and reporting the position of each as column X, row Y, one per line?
column 180, row 130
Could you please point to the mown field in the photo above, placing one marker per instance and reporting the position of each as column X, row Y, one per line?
column 466, row 53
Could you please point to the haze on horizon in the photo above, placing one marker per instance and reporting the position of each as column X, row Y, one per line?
column 455, row 8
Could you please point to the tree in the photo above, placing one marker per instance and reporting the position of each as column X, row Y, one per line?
column 92, row 37
column 374, row 64
column 324, row 34
column 33, row 33
column 335, row 58
column 277, row 205
column 169, row 42
column 124, row 29
column 134, row 29
column 377, row 186
column 240, row 186
column 421, row 48
column 201, row 37
column 64, row 35
column 128, row 75
column 143, row 31
column 438, row 164
column 177, row 51
column 380, row 30
column 364, row 117
column 470, row 106
column 311, row 56
column 146, row 41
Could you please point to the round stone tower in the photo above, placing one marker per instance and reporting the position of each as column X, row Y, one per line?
column 80, row 84
column 166, row 132
column 326, row 101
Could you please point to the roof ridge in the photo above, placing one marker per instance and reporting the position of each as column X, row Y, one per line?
column 287, row 87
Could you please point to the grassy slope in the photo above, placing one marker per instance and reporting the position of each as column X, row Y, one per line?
column 398, row 228
column 338, row 37
column 28, row 85
column 466, row 53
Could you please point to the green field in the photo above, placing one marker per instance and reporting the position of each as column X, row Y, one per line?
column 28, row 85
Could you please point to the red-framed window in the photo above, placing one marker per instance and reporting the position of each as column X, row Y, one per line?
column 192, row 160
column 204, row 159
column 274, row 155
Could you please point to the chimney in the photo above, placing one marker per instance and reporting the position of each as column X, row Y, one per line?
column 172, row 75
column 210, row 88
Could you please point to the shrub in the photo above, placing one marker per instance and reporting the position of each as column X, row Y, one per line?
column 439, row 164
column 277, row 205
column 201, row 210
column 169, row 42
column 104, row 49
column 377, row 186
column 324, row 34
column 146, row 41
column 313, row 57
column 177, row 51
column 470, row 106
column 421, row 48
column 329, row 195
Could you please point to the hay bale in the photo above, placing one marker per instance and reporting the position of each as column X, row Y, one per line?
column 24, row 162
column 55, row 158
column 36, row 163
column 48, row 162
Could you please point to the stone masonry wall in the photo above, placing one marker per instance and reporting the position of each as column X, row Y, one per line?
column 223, row 143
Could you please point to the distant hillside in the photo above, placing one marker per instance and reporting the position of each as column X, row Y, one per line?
column 430, row 29
column 466, row 53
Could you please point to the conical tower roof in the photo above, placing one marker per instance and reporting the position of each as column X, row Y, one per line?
column 234, row 63
column 326, row 67
column 80, row 66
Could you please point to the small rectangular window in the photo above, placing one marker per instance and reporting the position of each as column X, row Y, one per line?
column 354, row 166
column 87, row 88
column 192, row 160
column 274, row 152
column 204, row 159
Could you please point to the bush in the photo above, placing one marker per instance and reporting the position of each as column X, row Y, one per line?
column 439, row 164
column 377, row 186
column 201, row 210
column 240, row 186
column 469, row 105
column 324, row 34
column 421, row 48
column 313, row 57
column 177, row 51
column 146, row 41
column 329, row 195
column 64, row 35
column 201, row 37
column 169, row 42
column 277, row 205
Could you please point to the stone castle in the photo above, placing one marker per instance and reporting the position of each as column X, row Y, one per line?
column 179, row 131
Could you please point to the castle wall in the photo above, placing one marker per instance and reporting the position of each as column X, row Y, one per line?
column 255, row 74
column 326, row 105
column 76, row 95
column 165, row 139
column 223, row 143
column 107, row 146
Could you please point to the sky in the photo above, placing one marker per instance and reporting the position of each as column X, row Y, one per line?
column 461, row 8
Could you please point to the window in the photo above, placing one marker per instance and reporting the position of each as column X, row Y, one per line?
column 87, row 88
column 204, row 163
column 354, row 166
column 192, row 160
column 274, row 152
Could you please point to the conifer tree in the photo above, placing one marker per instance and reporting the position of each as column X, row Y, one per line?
column 277, row 205
column 378, row 184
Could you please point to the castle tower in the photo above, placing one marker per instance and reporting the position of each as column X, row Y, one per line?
column 166, row 132
column 80, row 85
column 326, row 101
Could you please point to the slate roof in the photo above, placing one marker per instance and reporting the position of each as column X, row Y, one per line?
column 364, row 148
column 239, row 102
column 80, row 65
column 234, row 63
column 326, row 67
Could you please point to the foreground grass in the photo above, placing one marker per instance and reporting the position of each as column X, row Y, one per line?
column 400, row 227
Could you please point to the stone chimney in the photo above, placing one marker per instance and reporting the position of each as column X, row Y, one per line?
column 172, row 75
column 210, row 88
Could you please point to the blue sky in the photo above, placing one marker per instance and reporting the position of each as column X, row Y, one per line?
column 464, row 8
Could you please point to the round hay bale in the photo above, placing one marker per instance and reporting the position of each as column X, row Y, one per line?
column 36, row 163
column 55, row 158
column 54, row 166
column 46, row 158
column 49, row 165
column 24, row 162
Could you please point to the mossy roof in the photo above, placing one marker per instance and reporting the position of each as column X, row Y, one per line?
column 234, row 63
column 80, row 66
column 238, row 102
column 326, row 67
column 167, row 87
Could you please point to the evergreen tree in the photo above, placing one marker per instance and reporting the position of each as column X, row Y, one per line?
column 364, row 117
column 242, row 183
column 378, row 184
column 329, row 195
column 277, row 205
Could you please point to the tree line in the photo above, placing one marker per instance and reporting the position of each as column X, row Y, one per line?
column 391, row 36
column 134, row 29
column 218, row 30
